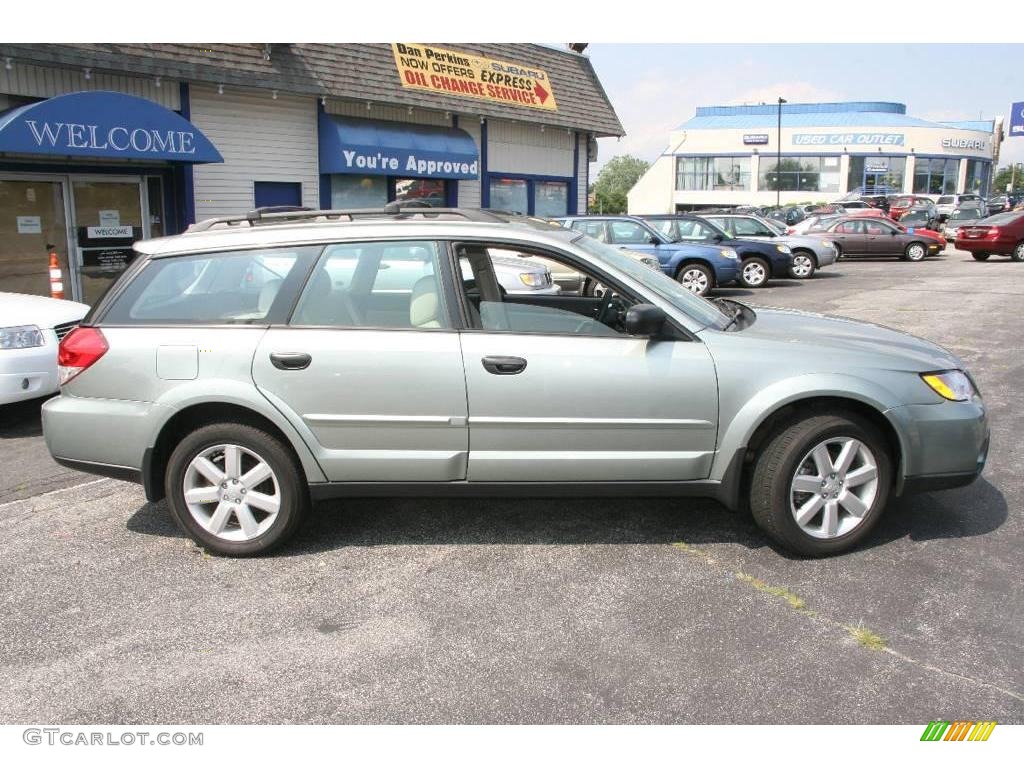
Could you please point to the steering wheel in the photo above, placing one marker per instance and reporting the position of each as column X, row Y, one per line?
column 609, row 311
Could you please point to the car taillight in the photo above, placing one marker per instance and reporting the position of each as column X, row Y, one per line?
column 78, row 350
column 993, row 232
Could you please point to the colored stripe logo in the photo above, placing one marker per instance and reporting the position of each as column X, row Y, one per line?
column 958, row 730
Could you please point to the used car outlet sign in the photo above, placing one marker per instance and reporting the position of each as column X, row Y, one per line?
column 440, row 70
column 847, row 139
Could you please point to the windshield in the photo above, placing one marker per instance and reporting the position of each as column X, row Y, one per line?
column 903, row 202
column 946, row 199
column 701, row 310
column 965, row 213
column 772, row 224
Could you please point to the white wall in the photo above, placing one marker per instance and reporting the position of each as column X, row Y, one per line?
column 45, row 82
column 261, row 139
column 519, row 148
column 648, row 194
column 469, row 189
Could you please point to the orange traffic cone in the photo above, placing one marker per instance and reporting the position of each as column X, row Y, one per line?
column 56, row 278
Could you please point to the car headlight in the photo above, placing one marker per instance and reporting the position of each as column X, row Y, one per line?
column 729, row 253
column 21, row 337
column 782, row 248
column 828, row 243
column 534, row 279
column 952, row 385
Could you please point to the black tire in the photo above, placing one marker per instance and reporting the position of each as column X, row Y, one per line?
column 686, row 274
column 777, row 463
column 291, row 483
column 757, row 267
column 915, row 252
column 839, row 252
column 811, row 265
column 981, row 256
column 1018, row 252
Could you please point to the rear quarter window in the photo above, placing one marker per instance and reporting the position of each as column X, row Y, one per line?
column 244, row 287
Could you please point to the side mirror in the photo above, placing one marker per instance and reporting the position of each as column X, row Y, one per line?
column 645, row 320
column 719, row 238
column 653, row 240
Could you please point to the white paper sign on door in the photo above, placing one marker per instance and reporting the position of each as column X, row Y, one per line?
column 30, row 225
column 110, row 218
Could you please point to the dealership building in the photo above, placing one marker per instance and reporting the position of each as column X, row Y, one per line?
column 105, row 144
column 732, row 155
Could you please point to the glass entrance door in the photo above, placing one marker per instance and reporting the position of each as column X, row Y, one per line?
column 109, row 216
column 32, row 223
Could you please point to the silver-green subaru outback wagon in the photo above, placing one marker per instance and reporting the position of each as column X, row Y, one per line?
column 252, row 366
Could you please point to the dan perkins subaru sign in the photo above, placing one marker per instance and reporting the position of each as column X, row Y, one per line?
column 1017, row 119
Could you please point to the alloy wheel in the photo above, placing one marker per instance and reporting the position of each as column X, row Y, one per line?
column 694, row 280
column 1018, row 252
column 803, row 265
column 915, row 252
column 232, row 492
column 754, row 274
column 834, row 487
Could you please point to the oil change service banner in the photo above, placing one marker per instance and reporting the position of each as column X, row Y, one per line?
column 465, row 74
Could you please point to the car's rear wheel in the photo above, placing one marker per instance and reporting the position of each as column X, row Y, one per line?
column 820, row 484
column 1018, row 252
column 696, row 278
column 981, row 256
column 754, row 272
column 235, row 489
column 915, row 252
column 803, row 265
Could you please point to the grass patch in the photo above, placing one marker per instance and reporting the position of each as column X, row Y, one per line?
column 866, row 637
column 795, row 601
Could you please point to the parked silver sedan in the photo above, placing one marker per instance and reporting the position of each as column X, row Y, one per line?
column 809, row 253
column 233, row 372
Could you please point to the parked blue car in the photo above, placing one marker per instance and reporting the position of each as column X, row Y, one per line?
column 699, row 268
column 759, row 259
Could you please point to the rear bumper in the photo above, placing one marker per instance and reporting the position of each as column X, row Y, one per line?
column 93, row 431
column 944, row 445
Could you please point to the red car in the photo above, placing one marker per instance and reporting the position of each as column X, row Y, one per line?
column 1002, row 234
column 904, row 203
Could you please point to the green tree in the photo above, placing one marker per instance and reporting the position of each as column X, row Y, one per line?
column 1004, row 176
column 614, row 181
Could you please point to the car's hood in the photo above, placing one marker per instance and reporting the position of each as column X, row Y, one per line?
column 849, row 339
column 808, row 241
column 23, row 309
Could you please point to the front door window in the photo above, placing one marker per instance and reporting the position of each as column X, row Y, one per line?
column 108, row 219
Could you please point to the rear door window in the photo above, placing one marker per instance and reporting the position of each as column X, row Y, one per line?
column 245, row 287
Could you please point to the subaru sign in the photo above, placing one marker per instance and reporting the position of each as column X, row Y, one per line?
column 755, row 138
column 1017, row 119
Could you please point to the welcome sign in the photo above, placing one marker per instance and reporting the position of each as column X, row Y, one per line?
column 104, row 124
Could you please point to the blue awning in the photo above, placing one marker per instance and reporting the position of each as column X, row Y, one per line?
column 374, row 148
column 104, row 124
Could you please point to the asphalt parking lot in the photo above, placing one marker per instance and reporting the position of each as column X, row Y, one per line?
column 539, row 611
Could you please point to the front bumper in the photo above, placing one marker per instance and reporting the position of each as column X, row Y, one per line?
column 944, row 445
column 826, row 256
column 29, row 373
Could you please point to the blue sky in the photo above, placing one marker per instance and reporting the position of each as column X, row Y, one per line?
column 655, row 87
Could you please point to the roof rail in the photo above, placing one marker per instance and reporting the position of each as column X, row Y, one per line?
column 285, row 214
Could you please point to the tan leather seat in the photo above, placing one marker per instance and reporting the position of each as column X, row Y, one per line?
column 425, row 304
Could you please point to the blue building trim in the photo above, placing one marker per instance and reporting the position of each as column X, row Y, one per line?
column 185, row 190
column 575, row 184
column 485, row 184
column 325, row 178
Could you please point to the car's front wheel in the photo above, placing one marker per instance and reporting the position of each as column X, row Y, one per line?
column 803, row 266
column 915, row 252
column 235, row 490
column 821, row 483
column 754, row 272
column 696, row 278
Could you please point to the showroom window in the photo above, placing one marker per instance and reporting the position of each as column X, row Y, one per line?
column 713, row 173
column 977, row 176
column 530, row 196
column 800, row 174
column 876, row 174
column 935, row 175
column 433, row 192
column 358, row 191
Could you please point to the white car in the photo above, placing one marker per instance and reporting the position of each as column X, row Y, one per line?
column 30, row 329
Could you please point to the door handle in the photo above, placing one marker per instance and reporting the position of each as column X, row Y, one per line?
column 290, row 361
column 504, row 366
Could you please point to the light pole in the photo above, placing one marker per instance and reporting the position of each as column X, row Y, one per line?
column 778, row 158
